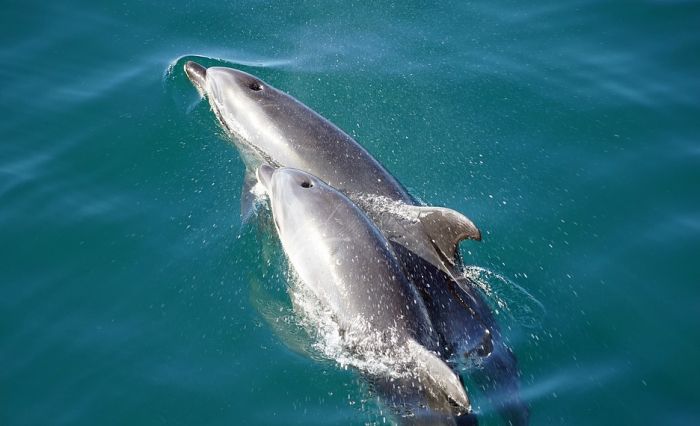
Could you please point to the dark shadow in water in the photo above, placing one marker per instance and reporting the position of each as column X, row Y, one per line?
column 471, row 336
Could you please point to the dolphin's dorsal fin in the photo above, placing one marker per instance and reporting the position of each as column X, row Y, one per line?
column 446, row 228
column 434, row 372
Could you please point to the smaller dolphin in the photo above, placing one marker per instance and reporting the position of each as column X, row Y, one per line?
column 350, row 267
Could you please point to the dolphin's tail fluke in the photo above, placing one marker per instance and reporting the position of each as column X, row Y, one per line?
column 436, row 374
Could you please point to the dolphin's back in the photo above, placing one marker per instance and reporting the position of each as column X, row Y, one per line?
column 331, row 154
column 349, row 264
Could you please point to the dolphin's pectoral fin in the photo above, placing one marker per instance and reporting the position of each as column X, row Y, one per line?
column 248, row 196
column 435, row 372
column 446, row 228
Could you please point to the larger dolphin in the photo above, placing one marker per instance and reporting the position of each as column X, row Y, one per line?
column 269, row 126
column 351, row 268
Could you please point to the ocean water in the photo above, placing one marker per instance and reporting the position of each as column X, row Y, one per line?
column 132, row 294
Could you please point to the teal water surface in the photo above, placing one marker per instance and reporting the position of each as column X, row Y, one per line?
column 568, row 131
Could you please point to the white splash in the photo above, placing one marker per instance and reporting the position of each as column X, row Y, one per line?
column 258, row 191
column 380, row 205
column 375, row 352
column 506, row 297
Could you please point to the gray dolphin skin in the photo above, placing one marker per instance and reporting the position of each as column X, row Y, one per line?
column 269, row 126
column 348, row 264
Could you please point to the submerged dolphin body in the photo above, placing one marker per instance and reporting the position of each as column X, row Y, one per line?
column 350, row 267
column 269, row 126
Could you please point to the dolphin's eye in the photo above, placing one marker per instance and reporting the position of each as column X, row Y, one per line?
column 255, row 86
column 306, row 184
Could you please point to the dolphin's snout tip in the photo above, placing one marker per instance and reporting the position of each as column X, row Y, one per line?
column 264, row 174
column 196, row 73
